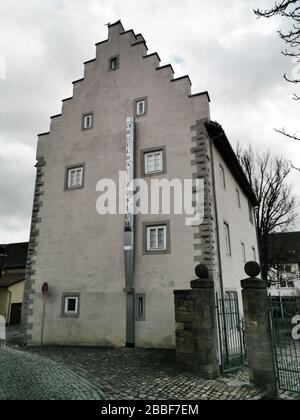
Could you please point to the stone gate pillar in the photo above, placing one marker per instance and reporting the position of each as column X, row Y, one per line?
column 259, row 343
column 196, row 327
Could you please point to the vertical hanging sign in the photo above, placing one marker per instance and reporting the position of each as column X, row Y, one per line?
column 129, row 231
column 129, row 189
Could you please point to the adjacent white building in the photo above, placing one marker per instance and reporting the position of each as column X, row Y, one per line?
column 96, row 295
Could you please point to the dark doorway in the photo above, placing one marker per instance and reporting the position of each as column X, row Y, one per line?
column 15, row 314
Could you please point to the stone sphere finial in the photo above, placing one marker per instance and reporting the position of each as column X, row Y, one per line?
column 201, row 272
column 252, row 269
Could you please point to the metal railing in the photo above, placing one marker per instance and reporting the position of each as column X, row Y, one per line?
column 232, row 350
column 286, row 349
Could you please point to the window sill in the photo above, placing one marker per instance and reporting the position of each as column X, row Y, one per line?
column 74, row 188
column 157, row 252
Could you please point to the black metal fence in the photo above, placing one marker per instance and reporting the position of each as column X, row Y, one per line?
column 230, row 332
column 286, row 347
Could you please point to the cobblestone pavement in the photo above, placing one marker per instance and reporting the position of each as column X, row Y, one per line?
column 146, row 374
column 13, row 335
column 26, row 376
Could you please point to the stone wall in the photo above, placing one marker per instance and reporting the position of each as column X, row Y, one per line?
column 196, row 329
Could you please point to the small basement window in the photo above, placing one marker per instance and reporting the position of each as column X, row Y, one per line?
column 70, row 305
column 140, row 307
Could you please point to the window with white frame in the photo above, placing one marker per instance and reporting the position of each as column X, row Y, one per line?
column 227, row 239
column 156, row 238
column 153, row 162
column 140, row 107
column 87, row 121
column 74, row 177
column 70, row 306
column 243, row 252
column 222, row 176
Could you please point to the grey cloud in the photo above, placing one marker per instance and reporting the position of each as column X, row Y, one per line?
column 220, row 44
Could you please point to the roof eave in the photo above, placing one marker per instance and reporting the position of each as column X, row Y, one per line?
column 221, row 142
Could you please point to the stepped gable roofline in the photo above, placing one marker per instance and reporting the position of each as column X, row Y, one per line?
column 164, row 67
column 182, row 77
column 152, row 54
column 140, row 42
column 201, row 94
column 118, row 22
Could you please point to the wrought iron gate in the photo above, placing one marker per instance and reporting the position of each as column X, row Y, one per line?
column 230, row 332
column 286, row 348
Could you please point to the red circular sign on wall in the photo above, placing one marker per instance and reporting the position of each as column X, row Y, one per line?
column 45, row 288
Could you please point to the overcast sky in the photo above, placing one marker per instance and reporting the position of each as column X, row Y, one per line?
column 220, row 44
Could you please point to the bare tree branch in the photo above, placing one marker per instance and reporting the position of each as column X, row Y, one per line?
column 294, row 167
column 290, row 136
column 276, row 204
column 289, row 10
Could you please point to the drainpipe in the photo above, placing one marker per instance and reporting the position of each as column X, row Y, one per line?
column 129, row 232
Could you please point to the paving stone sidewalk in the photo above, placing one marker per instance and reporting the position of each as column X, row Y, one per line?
column 26, row 376
column 120, row 374
column 136, row 374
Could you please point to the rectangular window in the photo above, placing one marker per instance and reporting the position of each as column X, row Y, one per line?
column 153, row 162
column 114, row 63
column 222, row 177
column 254, row 253
column 243, row 253
column 140, row 106
column 156, row 238
column 140, row 307
column 227, row 239
column 70, row 305
column 87, row 121
column 251, row 218
column 238, row 198
column 74, row 178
